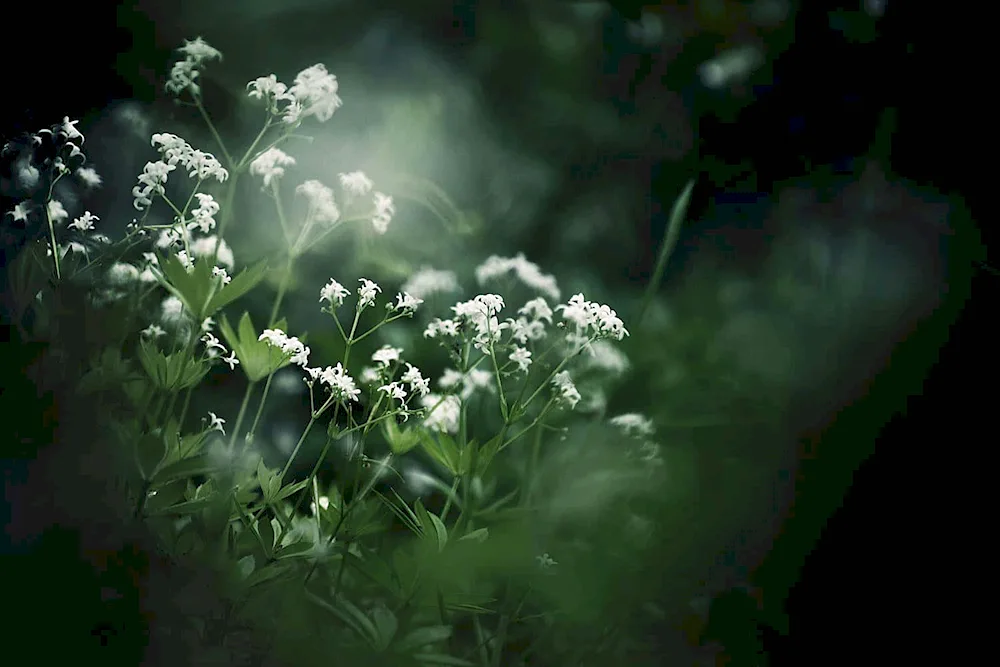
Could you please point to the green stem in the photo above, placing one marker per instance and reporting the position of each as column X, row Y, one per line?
column 239, row 417
column 669, row 241
column 448, row 501
column 282, row 288
column 298, row 445
column 256, row 419
column 52, row 243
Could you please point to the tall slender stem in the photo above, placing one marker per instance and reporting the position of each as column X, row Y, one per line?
column 669, row 241
column 241, row 414
column 256, row 419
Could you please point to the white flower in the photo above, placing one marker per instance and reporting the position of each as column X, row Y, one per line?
column 568, row 393
column 122, row 273
column 85, row 222
column 406, row 303
column 418, row 383
column 232, row 360
column 172, row 310
column 186, row 71
column 443, row 413
column 605, row 356
column 384, row 210
column 527, row 272
column 216, row 423
column 222, row 273
column 274, row 337
column 199, row 50
column 441, row 327
column 185, row 261
column 89, row 177
column 370, row 375
column 208, row 324
column 632, row 423
column 321, row 205
column 271, row 164
column 386, row 355
column 522, row 330
column 315, row 90
column 341, row 384
column 270, row 88
column 366, row 293
column 205, row 246
column 545, row 561
column 592, row 319
column 152, row 331
column 472, row 381
column 21, row 211
column 356, row 183
column 427, row 281
column 334, row 293
column 56, row 211
column 151, row 182
column 211, row 343
column 537, row 309
column 521, row 357
column 204, row 214
column 394, row 390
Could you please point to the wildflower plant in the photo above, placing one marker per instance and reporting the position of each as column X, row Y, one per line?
column 203, row 486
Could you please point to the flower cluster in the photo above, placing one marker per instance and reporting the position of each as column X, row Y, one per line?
column 340, row 385
column 290, row 346
column 175, row 150
column 214, row 348
column 271, row 164
column 427, row 281
column 591, row 319
column 314, row 93
column 322, row 208
column 184, row 74
column 527, row 272
column 567, row 392
column 444, row 412
column 481, row 314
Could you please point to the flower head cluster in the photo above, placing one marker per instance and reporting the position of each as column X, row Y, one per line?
column 386, row 354
column 314, row 93
column 443, row 412
column 290, row 346
column 175, row 150
column 384, row 210
column 527, row 272
column 530, row 323
column 322, row 208
column 203, row 217
column 367, row 293
column 151, row 182
column 472, row 381
column 184, row 74
column 337, row 381
column 356, row 183
column 591, row 319
column 333, row 293
column 406, row 303
column 567, row 392
column 481, row 313
column 634, row 424
column 427, row 281
column 85, row 222
column 271, row 164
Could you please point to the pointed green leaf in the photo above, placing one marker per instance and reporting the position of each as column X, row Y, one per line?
column 479, row 536
column 266, row 532
column 186, row 468
column 385, row 625
column 187, row 507
column 295, row 549
column 290, row 489
column 440, row 531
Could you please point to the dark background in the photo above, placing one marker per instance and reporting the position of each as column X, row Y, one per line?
column 872, row 580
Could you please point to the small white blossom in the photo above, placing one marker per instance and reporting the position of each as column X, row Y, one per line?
column 315, row 91
column 370, row 375
column 427, row 281
column 212, row 343
column 185, row 261
column 394, row 390
column 216, row 423
column 232, row 360
column 443, row 413
column 418, row 383
column 406, row 303
column 527, row 272
column 204, row 215
column 537, row 309
column 384, row 210
column 172, row 310
column 205, row 247
column 341, row 384
column 356, row 183
column 473, row 380
column 522, row 330
column 271, row 164
column 21, row 211
column 440, row 327
column 366, row 293
column 322, row 208
column 151, row 181
column 633, row 423
column 85, row 222
column 222, row 273
column 89, row 177
column 521, row 357
column 386, row 355
column 568, row 393
column 122, row 273
column 152, row 331
column 56, row 211
column 334, row 293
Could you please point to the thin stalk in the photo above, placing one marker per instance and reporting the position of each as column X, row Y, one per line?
column 670, row 240
column 282, row 288
column 241, row 414
column 248, row 440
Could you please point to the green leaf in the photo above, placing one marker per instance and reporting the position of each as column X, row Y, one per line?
column 401, row 510
column 441, row 449
column 193, row 288
column 479, row 536
column 432, row 525
column 270, row 572
column 295, row 549
column 238, row 286
column 486, row 454
column 400, row 441
column 385, row 625
column 257, row 358
column 187, row 507
column 190, row 467
column 440, row 531
column 422, row 637
column 291, row 488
